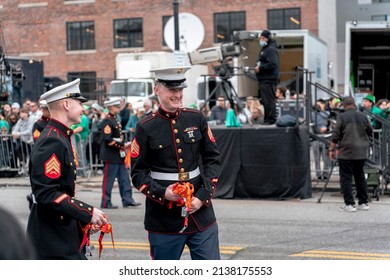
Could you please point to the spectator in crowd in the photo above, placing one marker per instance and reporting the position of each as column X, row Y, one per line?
column 35, row 112
column 382, row 104
column 132, row 123
column 125, row 113
column 6, row 156
column 112, row 153
column 80, row 139
column 155, row 103
column 12, row 120
column 368, row 104
column 320, row 118
column 280, row 92
column 257, row 117
column 351, row 138
column 15, row 107
column 22, row 133
column 267, row 72
column 218, row 112
column 205, row 109
column 96, row 117
column 251, row 104
column 7, row 110
column 148, row 107
column 14, row 244
column 26, row 104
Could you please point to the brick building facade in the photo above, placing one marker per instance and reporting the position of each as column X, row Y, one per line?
column 38, row 28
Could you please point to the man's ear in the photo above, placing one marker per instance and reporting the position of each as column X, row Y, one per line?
column 66, row 103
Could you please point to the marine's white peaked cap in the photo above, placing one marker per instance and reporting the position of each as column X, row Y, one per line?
column 68, row 90
column 173, row 77
column 113, row 101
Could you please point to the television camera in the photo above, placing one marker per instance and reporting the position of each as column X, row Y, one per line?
column 225, row 54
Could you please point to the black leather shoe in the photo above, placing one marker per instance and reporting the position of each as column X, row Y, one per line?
column 132, row 204
column 110, row 207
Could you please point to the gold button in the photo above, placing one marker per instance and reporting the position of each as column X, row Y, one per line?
column 61, row 217
column 160, row 146
column 179, row 151
column 181, row 169
column 213, row 187
column 75, row 172
column 167, row 115
column 81, row 204
column 181, row 160
column 193, row 140
column 177, row 141
column 153, row 115
column 211, row 194
column 148, row 192
column 71, row 164
column 89, row 208
column 207, row 201
column 175, row 130
column 160, row 199
column 153, row 196
column 173, row 122
column 72, row 201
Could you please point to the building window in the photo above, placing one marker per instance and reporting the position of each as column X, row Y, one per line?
column 128, row 33
column 380, row 17
column 87, row 81
column 80, row 35
column 226, row 23
column 164, row 22
column 284, row 18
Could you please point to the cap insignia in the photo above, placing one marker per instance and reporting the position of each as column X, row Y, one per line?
column 179, row 70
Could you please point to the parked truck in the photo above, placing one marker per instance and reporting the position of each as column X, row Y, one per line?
column 296, row 48
column 367, row 59
column 135, row 81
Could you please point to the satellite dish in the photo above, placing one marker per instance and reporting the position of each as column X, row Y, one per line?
column 191, row 32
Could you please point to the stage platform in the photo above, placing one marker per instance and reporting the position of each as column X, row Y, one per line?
column 263, row 162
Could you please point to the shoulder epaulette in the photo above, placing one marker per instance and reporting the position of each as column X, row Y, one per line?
column 148, row 118
column 191, row 110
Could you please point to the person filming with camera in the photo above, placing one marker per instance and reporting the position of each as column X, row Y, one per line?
column 267, row 73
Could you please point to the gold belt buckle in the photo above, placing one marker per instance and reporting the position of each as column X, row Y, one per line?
column 184, row 176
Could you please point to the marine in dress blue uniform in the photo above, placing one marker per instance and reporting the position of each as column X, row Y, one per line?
column 167, row 148
column 112, row 153
column 40, row 124
column 57, row 218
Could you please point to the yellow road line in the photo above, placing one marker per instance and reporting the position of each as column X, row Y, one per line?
column 227, row 250
column 342, row 255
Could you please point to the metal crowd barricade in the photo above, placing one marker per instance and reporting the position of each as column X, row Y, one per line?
column 14, row 156
column 81, row 150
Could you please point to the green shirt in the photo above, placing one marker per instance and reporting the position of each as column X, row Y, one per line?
column 85, row 125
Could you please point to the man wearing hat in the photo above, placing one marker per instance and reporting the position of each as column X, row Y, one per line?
column 351, row 138
column 112, row 153
column 267, row 72
column 369, row 105
column 57, row 218
column 166, row 149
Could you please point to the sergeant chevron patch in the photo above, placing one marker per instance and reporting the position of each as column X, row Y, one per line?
column 135, row 149
column 53, row 167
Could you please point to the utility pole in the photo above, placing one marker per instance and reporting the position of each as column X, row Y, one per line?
column 176, row 23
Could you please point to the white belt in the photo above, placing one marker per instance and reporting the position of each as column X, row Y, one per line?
column 182, row 176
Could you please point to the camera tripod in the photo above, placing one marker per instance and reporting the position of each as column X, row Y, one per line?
column 226, row 87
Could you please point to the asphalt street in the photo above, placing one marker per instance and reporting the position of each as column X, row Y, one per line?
column 250, row 229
